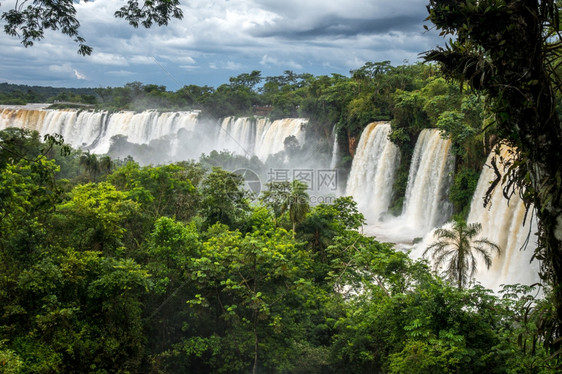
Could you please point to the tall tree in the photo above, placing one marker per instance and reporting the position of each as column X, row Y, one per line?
column 91, row 164
column 511, row 50
column 296, row 203
column 459, row 246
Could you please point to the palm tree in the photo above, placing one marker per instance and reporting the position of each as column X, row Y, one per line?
column 296, row 203
column 456, row 249
column 91, row 165
column 105, row 164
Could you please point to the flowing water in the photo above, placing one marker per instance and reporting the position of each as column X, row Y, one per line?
column 94, row 130
column 373, row 169
column 370, row 181
column 426, row 204
column 507, row 225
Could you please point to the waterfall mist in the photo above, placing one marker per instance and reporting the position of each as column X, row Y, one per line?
column 275, row 150
column 372, row 172
column 280, row 150
column 426, row 203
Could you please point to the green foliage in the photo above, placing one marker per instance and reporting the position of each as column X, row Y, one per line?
column 489, row 52
column 250, row 286
column 455, row 251
column 462, row 191
column 99, row 213
column 30, row 22
column 224, row 200
column 170, row 269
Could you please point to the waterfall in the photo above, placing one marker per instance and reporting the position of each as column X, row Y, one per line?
column 260, row 137
column 502, row 223
column 141, row 128
column 372, row 172
column 272, row 136
column 77, row 128
column 239, row 135
column 335, row 150
column 93, row 130
column 426, row 204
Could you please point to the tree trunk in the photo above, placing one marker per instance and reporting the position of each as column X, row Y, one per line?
column 255, row 367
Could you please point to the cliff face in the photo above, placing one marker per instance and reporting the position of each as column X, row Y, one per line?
column 352, row 141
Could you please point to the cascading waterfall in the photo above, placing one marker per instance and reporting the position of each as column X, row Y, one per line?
column 373, row 169
column 335, row 150
column 426, row 204
column 502, row 223
column 370, row 180
column 141, row 128
column 239, row 134
column 93, row 130
column 272, row 138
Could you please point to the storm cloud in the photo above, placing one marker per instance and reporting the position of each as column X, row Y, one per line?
column 223, row 38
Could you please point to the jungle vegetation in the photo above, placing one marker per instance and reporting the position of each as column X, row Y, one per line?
column 110, row 267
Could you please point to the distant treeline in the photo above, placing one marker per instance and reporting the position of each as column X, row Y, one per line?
column 20, row 94
column 411, row 97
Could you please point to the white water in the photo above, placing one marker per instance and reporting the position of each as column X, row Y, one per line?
column 271, row 140
column 426, row 204
column 370, row 181
column 93, row 130
column 372, row 172
column 237, row 135
column 335, row 151
column 502, row 224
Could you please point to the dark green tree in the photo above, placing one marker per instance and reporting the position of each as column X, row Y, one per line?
column 296, row 203
column 224, row 200
column 511, row 50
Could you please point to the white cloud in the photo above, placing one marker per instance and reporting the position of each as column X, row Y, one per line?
column 231, row 65
column 108, row 59
column 64, row 68
column 189, row 67
column 79, row 75
column 121, row 73
column 267, row 61
column 141, row 60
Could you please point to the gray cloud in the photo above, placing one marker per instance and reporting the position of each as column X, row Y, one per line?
column 222, row 38
column 341, row 27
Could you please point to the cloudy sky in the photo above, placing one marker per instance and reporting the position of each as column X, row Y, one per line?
column 218, row 39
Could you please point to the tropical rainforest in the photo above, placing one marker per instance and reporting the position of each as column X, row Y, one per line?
column 109, row 266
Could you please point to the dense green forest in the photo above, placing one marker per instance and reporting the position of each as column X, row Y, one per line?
column 108, row 266
column 412, row 97
column 171, row 269
column 111, row 266
column 19, row 94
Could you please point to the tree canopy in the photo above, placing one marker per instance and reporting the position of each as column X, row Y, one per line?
column 512, row 51
column 169, row 269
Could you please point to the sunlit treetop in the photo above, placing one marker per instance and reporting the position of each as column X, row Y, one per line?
column 28, row 20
